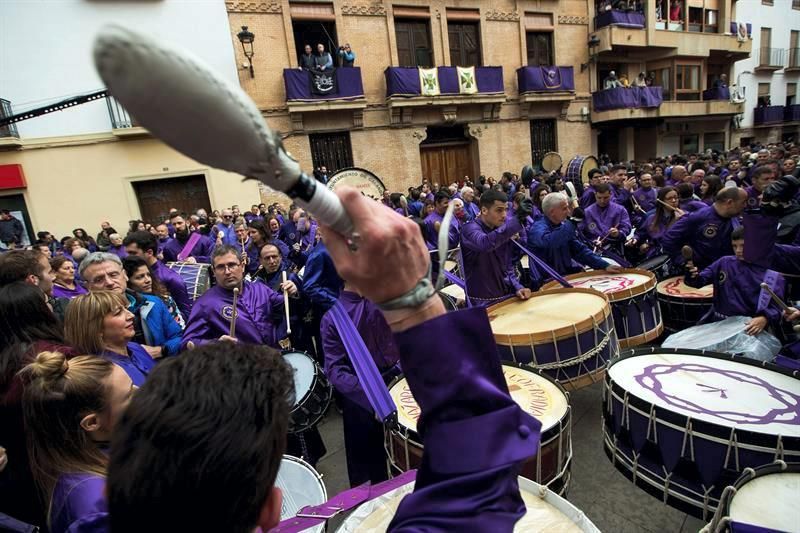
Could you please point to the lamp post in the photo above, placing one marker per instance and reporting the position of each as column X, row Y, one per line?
column 246, row 38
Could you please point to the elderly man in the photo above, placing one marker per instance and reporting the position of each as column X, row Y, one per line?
column 679, row 175
column 707, row 231
column 156, row 330
column 187, row 246
column 554, row 240
column 224, row 231
column 696, row 179
column 470, row 207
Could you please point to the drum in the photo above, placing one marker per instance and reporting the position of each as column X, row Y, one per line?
column 579, row 166
column 197, row 277
column 683, row 424
column 762, row 499
column 453, row 296
column 312, row 391
column 301, row 486
column 727, row 336
column 551, row 161
column 539, row 395
column 683, row 306
column 658, row 265
column 546, row 512
column 567, row 333
column 632, row 293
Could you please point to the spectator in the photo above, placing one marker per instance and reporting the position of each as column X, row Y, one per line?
column 307, row 59
column 323, row 60
column 10, row 229
column 346, row 55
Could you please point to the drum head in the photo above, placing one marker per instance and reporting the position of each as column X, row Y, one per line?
column 626, row 284
column 715, row 390
column 551, row 161
column 301, row 486
column 304, row 372
column 768, row 502
column 677, row 288
column 538, row 396
column 546, row 512
column 654, row 263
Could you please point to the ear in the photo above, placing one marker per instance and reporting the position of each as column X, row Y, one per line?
column 270, row 514
column 90, row 423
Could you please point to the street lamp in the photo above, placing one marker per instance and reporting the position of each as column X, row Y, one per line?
column 247, row 38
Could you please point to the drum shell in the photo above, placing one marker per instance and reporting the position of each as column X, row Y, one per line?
column 311, row 405
column 633, row 429
column 196, row 276
column 579, row 166
column 683, row 312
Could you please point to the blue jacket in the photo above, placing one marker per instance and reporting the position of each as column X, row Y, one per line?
column 558, row 246
column 321, row 282
column 160, row 329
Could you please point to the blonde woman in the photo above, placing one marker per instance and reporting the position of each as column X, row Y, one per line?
column 99, row 323
column 70, row 409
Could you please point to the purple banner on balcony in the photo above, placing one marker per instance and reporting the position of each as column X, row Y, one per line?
column 627, row 19
column 735, row 28
column 543, row 79
column 298, row 85
column 404, row 81
column 768, row 115
column 717, row 93
column 622, row 98
column 791, row 113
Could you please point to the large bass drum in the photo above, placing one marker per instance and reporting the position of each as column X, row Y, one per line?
column 312, row 391
column 578, row 168
column 196, row 276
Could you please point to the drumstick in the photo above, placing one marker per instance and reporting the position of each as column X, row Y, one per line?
column 775, row 297
column 234, row 313
column 606, row 236
column 665, row 204
column 244, row 253
column 286, row 305
column 636, row 203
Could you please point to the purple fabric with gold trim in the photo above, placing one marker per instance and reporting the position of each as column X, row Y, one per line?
column 540, row 79
column 619, row 18
column 298, row 85
column 630, row 97
column 404, row 81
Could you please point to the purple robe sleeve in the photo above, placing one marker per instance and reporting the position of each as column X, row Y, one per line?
column 676, row 236
column 176, row 287
column 337, row 365
column 475, row 239
column 197, row 326
column 79, row 504
column 464, row 484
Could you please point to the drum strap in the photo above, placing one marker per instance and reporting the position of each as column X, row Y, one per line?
column 771, row 279
column 187, row 249
column 544, row 266
column 367, row 371
column 312, row 516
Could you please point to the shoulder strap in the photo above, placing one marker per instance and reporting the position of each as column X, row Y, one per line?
column 189, row 246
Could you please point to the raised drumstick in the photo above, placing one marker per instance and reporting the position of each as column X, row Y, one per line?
column 234, row 313
column 775, row 297
column 286, row 305
column 687, row 253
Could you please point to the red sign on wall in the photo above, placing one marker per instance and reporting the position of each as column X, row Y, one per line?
column 12, row 177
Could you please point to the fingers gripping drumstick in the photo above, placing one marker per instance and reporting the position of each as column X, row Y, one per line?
column 192, row 109
column 780, row 303
column 286, row 305
column 234, row 313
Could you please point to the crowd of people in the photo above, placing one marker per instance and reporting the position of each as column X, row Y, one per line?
column 86, row 321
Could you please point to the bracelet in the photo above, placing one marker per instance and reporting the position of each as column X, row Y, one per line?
column 419, row 294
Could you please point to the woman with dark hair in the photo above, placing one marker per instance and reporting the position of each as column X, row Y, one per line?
column 141, row 279
column 649, row 235
column 88, row 241
column 709, row 188
column 64, row 284
column 398, row 203
column 137, row 225
column 538, row 193
column 261, row 233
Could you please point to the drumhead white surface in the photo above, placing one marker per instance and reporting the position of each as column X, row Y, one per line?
column 301, row 486
column 610, row 283
column 545, row 312
column 304, row 371
column 718, row 391
column 769, row 501
column 677, row 288
column 453, row 291
column 538, row 396
column 551, row 514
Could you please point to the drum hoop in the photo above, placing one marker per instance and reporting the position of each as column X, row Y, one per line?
column 664, row 282
column 555, row 156
column 778, row 467
column 647, row 336
column 613, row 297
column 315, row 379
column 694, row 301
column 563, row 332
column 308, row 467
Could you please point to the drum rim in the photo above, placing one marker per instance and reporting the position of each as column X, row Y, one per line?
column 666, row 295
column 302, row 462
column 624, row 294
column 319, row 377
column 778, row 467
column 560, row 333
column 557, row 157
column 662, row 257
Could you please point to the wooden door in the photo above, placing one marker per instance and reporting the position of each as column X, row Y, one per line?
column 447, row 163
column 156, row 197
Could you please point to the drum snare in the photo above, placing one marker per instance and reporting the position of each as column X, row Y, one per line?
column 683, row 306
column 302, row 486
column 312, row 391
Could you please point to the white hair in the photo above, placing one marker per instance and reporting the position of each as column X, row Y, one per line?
column 553, row 200
column 466, row 190
column 458, row 202
column 96, row 258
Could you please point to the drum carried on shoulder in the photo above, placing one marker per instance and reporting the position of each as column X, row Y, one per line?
column 196, row 276
column 312, row 390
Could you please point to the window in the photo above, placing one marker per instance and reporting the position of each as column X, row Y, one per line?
column 768, row 2
column 465, row 44
column 313, row 24
column 745, row 142
column 794, row 49
column 689, row 144
column 663, row 79
column 766, row 49
column 331, row 150
column 540, row 48
column 763, row 95
column 413, row 43
column 714, row 141
column 543, row 140
column 687, row 82
column 791, row 94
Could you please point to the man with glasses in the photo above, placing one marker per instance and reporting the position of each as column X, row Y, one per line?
column 259, row 315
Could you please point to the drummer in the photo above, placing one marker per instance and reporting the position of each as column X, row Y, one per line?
column 762, row 177
column 595, row 178
column 645, row 195
column 606, row 224
column 487, row 250
column 737, row 287
column 553, row 239
column 649, row 234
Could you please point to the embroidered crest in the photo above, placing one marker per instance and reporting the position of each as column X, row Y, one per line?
column 292, row 236
column 592, row 225
column 711, row 231
column 227, row 312
column 722, row 276
column 752, row 201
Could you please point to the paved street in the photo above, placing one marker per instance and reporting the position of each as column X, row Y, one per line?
column 612, row 502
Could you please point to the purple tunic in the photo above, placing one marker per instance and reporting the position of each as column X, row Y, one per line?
column 620, row 195
column 708, row 234
column 432, row 236
column 63, row 292
column 201, row 252
column 587, row 198
column 646, row 198
column 475, row 435
column 487, row 260
column 599, row 220
column 259, row 321
column 472, row 210
column 254, row 257
column 753, row 195
column 690, row 205
column 119, row 251
column 175, row 285
column 137, row 363
column 79, row 504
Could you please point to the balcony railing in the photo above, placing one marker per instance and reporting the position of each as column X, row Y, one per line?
column 771, row 114
column 406, row 82
column 794, row 58
column 770, row 58
column 627, row 98
column 615, row 17
column 120, row 119
column 5, row 111
column 717, row 93
column 791, row 113
column 302, row 86
column 545, row 79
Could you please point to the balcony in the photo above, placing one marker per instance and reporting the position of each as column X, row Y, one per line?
column 341, row 89
column 768, row 115
column 624, row 19
column 548, row 84
column 770, row 59
column 791, row 113
column 9, row 136
column 717, row 93
column 443, row 89
column 793, row 65
column 122, row 124
column 624, row 104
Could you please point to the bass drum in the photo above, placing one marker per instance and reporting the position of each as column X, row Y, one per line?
column 312, row 391
column 301, row 486
column 196, row 276
column 578, row 169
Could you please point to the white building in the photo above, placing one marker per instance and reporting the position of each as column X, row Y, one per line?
column 769, row 78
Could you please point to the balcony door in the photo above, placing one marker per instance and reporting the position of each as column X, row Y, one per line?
column 540, row 48
column 413, row 43
column 465, row 44
column 447, row 155
column 156, row 197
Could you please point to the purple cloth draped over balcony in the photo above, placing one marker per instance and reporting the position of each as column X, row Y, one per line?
column 791, row 113
column 621, row 98
column 627, row 19
column 717, row 93
column 735, row 28
column 768, row 114
column 298, row 85
column 541, row 79
column 404, row 81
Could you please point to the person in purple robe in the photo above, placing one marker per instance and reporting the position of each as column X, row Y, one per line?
column 471, row 207
column 461, row 392
column 688, row 202
column 761, row 178
column 64, row 284
column 185, row 246
column 363, row 433
column 116, row 247
column 648, row 235
column 253, row 215
column 587, row 198
column 737, row 286
column 621, row 185
column 301, row 238
column 605, row 223
column 709, row 188
column 434, row 221
column 261, row 234
column 707, row 231
column 486, row 249
column 537, row 195
column 645, row 195
column 143, row 244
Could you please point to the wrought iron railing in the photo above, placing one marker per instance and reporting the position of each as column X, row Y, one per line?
column 5, row 111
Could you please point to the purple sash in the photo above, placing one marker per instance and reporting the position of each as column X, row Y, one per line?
column 544, row 266
column 367, row 371
column 312, row 516
column 771, row 279
column 187, row 249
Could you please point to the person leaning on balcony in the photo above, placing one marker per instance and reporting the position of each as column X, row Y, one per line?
column 348, row 57
column 323, row 59
column 676, row 10
column 611, row 82
column 640, row 80
column 721, row 82
column 307, row 60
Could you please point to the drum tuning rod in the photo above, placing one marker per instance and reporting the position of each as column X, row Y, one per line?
column 286, row 305
column 775, row 297
column 234, row 313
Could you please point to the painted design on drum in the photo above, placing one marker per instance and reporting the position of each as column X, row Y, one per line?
column 605, row 284
column 227, row 312
column 656, row 378
column 677, row 287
